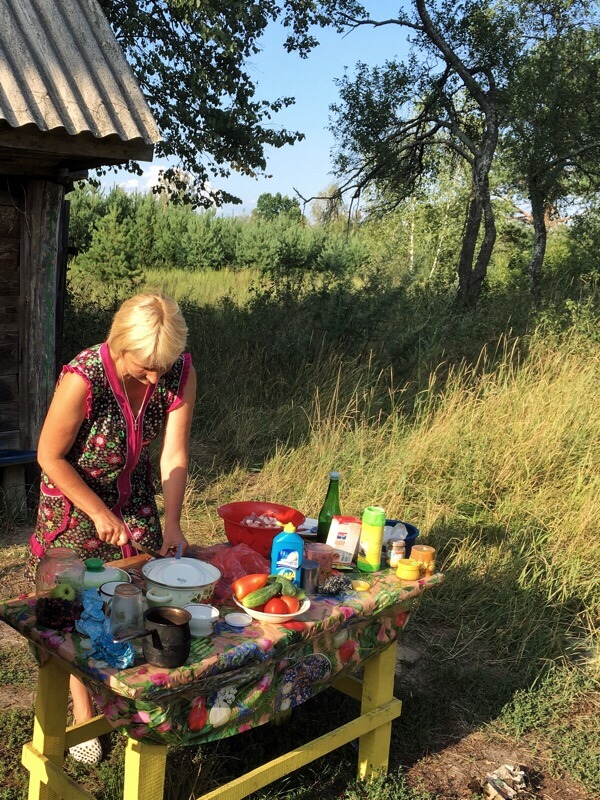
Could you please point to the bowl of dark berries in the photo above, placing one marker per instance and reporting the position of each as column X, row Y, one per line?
column 60, row 607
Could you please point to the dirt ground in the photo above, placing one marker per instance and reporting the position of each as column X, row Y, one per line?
column 457, row 772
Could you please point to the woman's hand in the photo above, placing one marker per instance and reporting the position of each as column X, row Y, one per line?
column 110, row 529
column 172, row 538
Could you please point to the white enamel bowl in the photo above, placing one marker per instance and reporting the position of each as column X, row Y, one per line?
column 107, row 590
column 203, row 618
column 260, row 616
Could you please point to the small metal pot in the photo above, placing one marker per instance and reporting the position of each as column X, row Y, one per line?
column 169, row 642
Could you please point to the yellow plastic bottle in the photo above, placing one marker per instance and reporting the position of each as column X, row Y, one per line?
column 371, row 539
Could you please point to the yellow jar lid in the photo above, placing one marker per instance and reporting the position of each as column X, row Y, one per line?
column 408, row 570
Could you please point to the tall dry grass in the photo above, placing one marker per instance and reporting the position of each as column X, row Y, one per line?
column 202, row 287
column 497, row 466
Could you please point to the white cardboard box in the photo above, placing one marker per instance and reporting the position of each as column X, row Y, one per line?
column 344, row 536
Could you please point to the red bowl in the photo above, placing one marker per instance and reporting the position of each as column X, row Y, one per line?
column 259, row 539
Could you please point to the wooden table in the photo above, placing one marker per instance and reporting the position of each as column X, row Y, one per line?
column 242, row 680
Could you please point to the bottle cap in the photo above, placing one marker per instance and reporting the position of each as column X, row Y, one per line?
column 373, row 515
column 334, row 476
column 94, row 564
column 289, row 527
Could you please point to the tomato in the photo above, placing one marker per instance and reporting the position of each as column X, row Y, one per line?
column 292, row 603
column 276, row 606
column 249, row 583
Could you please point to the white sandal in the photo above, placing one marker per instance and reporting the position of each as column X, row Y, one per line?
column 89, row 752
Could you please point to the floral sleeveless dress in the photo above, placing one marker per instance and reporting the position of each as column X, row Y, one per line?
column 111, row 453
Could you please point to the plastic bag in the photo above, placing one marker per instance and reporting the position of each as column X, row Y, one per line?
column 233, row 562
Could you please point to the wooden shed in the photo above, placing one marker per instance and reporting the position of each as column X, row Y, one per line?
column 69, row 102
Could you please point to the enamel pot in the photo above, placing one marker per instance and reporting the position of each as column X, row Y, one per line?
column 178, row 582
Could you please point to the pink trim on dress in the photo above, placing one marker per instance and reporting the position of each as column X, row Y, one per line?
column 36, row 547
column 178, row 400
column 134, row 439
column 88, row 397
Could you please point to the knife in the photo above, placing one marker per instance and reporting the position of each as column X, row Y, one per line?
column 143, row 549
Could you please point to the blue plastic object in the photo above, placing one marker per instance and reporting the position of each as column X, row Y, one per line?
column 413, row 532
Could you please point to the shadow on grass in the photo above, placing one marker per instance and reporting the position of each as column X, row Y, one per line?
column 259, row 365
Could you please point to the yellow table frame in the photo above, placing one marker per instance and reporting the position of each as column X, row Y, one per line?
column 145, row 763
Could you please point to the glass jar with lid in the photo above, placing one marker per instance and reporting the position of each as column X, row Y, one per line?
column 59, row 588
column 395, row 550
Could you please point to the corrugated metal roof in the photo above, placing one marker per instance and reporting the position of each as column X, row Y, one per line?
column 61, row 67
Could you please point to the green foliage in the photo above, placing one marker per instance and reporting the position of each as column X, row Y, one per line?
column 269, row 206
column 550, row 106
column 393, row 787
column 190, row 60
column 137, row 233
column 87, row 206
column 17, row 665
column 15, row 730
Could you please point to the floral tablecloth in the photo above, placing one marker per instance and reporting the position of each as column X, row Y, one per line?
column 238, row 678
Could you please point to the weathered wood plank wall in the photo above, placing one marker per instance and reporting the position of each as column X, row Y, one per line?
column 42, row 250
column 10, row 231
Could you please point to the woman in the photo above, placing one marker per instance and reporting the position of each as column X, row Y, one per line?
column 97, row 492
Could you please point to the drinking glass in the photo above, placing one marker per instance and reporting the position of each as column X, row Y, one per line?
column 126, row 610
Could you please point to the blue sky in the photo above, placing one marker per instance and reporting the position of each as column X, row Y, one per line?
column 305, row 166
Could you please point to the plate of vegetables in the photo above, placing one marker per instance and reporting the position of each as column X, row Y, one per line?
column 269, row 598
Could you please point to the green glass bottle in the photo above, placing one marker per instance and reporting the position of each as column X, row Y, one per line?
column 331, row 507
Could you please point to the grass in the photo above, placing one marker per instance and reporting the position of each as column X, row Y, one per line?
column 565, row 708
column 207, row 288
column 493, row 454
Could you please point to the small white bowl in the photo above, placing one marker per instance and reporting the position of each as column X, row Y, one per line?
column 107, row 590
column 203, row 618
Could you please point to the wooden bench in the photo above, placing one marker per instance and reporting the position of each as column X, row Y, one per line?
column 13, row 479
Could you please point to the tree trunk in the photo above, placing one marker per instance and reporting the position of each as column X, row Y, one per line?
column 487, row 245
column 538, row 209
column 469, row 242
column 471, row 277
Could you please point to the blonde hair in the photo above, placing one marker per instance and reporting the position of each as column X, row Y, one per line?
column 151, row 328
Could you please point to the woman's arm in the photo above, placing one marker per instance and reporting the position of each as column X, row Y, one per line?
column 63, row 421
column 174, row 463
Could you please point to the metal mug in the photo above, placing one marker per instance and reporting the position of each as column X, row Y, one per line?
column 167, row 638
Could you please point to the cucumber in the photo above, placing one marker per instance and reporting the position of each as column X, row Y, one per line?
column 287, row 587
column 260, row 596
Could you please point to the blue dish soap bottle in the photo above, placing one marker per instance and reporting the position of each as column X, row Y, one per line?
column 286, row 554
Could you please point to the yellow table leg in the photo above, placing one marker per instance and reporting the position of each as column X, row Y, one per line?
column 378, row 689
column 145, row 766
column 50, row 723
